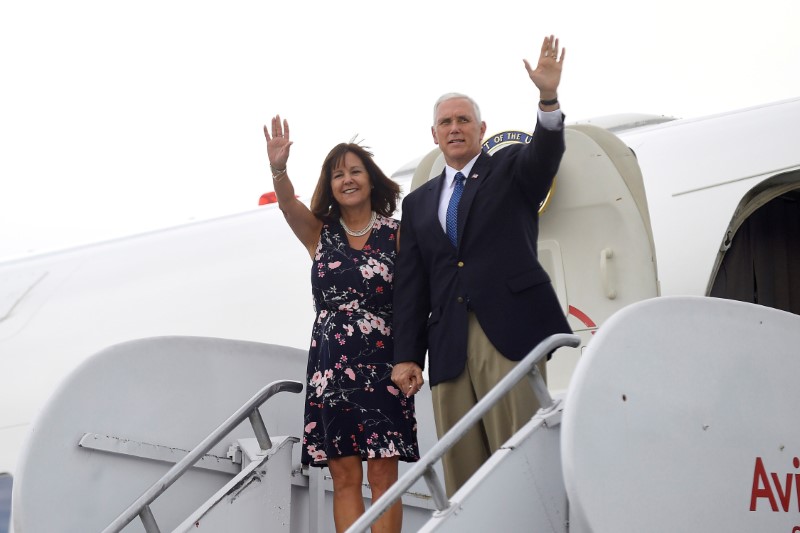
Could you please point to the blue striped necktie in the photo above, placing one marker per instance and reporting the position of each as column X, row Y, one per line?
column 451, row 219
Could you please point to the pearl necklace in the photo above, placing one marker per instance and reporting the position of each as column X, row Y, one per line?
column 360, row 232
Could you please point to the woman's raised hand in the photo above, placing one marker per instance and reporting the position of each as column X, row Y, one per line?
column 278, row 143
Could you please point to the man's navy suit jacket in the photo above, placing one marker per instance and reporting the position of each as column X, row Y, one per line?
column 494, row 271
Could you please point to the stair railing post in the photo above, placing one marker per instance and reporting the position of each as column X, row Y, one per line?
column 437, row 490
column 262, row 436
column 540, row 389
column 148, row 520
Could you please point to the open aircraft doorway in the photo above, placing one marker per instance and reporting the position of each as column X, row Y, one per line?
column 759, row 259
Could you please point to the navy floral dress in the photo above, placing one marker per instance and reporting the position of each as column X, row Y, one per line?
column 352, row 406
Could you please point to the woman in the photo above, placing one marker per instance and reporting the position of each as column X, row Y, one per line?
column 353, row 412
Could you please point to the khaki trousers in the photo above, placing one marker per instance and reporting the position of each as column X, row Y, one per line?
column 453, row 399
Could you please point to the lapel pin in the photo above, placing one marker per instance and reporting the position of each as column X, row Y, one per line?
column 473, row 176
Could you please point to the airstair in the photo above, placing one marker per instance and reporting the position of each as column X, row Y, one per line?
column 260, row 491
column 678, row 418
column 141, row 437
column 522, row 482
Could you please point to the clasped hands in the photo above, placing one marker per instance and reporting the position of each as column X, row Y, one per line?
column 408, row 377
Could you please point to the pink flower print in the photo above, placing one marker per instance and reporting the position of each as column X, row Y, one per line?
column 335, row 264
column 318, row 251
column 320, row 381
column 379, row 344
column 349, row 306
column 310, row 426
column 343, row 359
column 381, row 269
column 385, row 331
column 329, row 374
column 338, row 366
column 348, row 329
column 366, row 271
column 377, row 322
column 317, row 455
column 364, row 326
column 393, row 391
column 313, row 343
column 350, row 373
column 371, row 454
column 379, row 290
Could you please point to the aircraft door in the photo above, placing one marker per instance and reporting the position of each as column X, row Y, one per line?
column 595, row 237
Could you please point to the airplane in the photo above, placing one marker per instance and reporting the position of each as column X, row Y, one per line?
column 643, row 207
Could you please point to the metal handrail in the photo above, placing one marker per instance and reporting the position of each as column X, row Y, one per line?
column 141, row 507
column 424, row 467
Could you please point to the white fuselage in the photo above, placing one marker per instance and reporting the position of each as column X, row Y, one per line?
column 246, row 276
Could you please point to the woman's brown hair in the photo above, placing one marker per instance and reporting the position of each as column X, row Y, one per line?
column 385, row 192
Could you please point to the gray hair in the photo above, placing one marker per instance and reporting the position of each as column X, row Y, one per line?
column 453, row 96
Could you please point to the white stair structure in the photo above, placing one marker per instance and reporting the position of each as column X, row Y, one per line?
column 520, row 488
column 258, row 499
column 128, row 424
column 680, row 417
column 265, row 467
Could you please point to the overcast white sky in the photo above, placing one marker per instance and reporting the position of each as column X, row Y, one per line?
column 120, row 117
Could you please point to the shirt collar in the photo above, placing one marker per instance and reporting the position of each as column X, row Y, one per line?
column 450, row 172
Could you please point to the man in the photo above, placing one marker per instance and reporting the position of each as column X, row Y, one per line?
column 469, row 287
